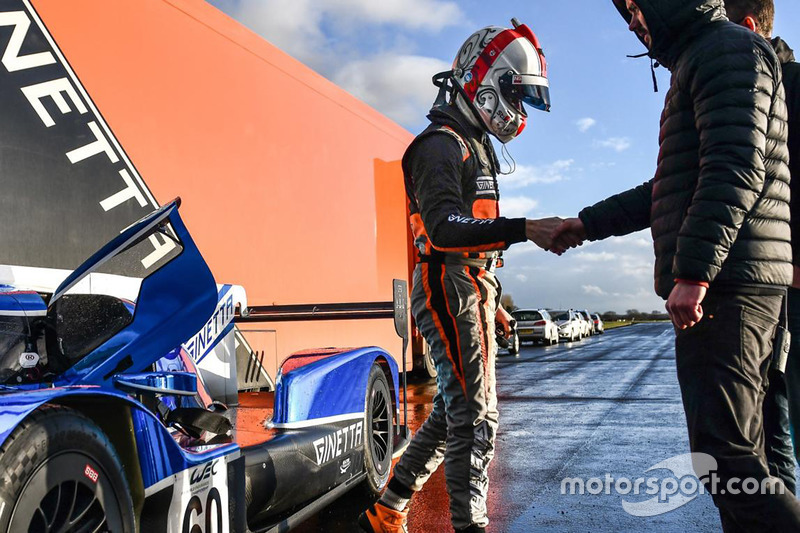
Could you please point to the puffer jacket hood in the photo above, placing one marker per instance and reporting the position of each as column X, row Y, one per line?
column 785, row 54
column 673, row 24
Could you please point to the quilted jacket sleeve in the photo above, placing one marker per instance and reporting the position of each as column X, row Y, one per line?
column 620, row 214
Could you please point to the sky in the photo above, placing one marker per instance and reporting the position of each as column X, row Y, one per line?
column 600, row 138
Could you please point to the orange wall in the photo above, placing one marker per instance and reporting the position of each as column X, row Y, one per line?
column 291, row 186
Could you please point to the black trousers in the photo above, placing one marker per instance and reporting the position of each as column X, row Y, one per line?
column 780, row 405
column 793, row 369
column 722, row 365
column 777, row 434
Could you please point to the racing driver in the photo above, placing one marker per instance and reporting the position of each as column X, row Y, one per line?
column 451, row 183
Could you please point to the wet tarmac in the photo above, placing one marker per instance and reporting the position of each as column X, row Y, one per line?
column 603, row 411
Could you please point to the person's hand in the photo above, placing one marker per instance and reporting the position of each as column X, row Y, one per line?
column 569, row 234
column 683, row 304
column 504, row 319
column 540, row 231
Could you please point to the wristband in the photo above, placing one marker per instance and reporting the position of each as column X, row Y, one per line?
column 692, row 282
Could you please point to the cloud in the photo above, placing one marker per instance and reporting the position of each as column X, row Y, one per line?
column 521, row 251
column 517, row 206
column 618, row 144
column 630, row 241
column 326, row 36
column 612, row 274
column 429, row 15
column 585, row 123
column 321, row 32
column 528, row 175
column 593, row 289
column 297, row 31
column 399, row 92
column 596, row 257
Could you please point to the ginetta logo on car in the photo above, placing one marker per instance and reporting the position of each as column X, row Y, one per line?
column 339, row 442
column 201, row 344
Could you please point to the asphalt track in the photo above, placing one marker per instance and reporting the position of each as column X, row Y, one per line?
column 605, row 407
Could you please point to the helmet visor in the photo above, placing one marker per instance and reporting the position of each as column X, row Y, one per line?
column 529, row 89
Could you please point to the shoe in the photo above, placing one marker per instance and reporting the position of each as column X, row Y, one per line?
column 471, row 529
column 381, row 519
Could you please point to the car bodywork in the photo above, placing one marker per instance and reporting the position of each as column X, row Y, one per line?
column 289, row 451
column 599, row 326
column 589, row 322
column 570, row 326
column 535, row 325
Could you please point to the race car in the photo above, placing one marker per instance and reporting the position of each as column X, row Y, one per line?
column 106, row 423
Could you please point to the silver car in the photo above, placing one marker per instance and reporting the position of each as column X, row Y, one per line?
column 589, row 321
column 599, row 327
column 570, row 325
column 535, row 325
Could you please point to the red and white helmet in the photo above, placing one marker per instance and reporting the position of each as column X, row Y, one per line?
column 496, row 71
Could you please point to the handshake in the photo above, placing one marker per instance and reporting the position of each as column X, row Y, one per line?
column 556, row 234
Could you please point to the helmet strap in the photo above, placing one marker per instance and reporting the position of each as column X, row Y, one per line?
column 443, row 80
column 509, row 160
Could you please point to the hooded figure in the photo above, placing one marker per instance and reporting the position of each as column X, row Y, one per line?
column 718, row 206
column 718, row 210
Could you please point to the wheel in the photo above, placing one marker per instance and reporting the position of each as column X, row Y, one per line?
column 59, row 472
column 378, row 436
column 513, row 344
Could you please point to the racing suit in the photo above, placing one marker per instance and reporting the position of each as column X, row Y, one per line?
column 451, row 182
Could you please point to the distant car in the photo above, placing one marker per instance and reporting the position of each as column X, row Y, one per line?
column 570, row 325
column 587, row 318
column 599, row 327
column 536, row 325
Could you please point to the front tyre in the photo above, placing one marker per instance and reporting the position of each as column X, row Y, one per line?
column 59, row 472
column 378, row 436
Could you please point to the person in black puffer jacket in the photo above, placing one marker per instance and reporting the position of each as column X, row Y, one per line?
column 782, row 402
column 718, row 209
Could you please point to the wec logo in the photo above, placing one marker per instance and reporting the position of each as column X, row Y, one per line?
column 204, row 472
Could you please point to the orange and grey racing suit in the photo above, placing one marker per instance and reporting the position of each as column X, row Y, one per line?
column 451, row 181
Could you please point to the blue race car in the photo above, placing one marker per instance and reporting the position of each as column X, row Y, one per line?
column 106, row 424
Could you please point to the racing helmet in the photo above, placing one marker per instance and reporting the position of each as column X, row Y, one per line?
column 497, row 71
